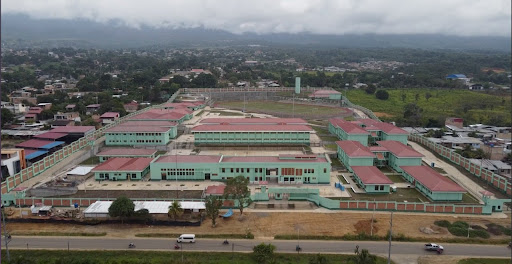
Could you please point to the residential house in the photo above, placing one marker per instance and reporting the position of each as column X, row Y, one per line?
column 131, row 107
column 33, row 114
column 70, row 107
column 109, row 117
column 93, row 108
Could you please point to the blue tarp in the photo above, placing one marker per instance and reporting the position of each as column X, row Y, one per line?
column 228, row 213
column 35, row 154
column 52, row 144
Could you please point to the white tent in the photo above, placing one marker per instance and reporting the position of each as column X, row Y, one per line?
column 80, row 170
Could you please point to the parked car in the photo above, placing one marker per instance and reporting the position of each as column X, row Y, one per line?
column 434, row 247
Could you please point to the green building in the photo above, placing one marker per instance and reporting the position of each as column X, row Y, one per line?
column 126, row 153
column 352, row 153
column 160, row 114
column 400, row 155
column 141, row 133
column 326, row 94
column 432, row 184
column 243, row 135
column 120, row 169
column 371, row 179
column 283, row 169
column 345, row 130
column 382, row 131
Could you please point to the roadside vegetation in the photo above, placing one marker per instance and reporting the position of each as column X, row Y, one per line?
column 157, row 257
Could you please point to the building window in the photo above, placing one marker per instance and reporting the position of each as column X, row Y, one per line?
column 237, row 170
column 325, row 170
column 231, row 170
column 223, row 169
column 376, row 187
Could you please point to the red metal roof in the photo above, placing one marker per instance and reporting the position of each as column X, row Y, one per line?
column 323, row 93
column 366, row 121
column 377, row 148
column 30, row 115
column 124, row 164
column 390, row 129
column 380, row 156
column 35, row 110
column 251, row 128
column 51, row 135
column 354, row 149
column 215, row 189
column 33, row 143
column 240, row 121
column 399, row 149
column 348, row 127
column 73, row 129
column 432, row 179
column 110, row 115
column 127, row 152
column 161, row 123
column 93, row 106
column 189, row 159
column 157, row 129
column 371, row 175
column 70, row 106
column 162, row 114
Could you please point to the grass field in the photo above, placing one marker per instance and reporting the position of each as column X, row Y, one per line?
column 401, row 194
column 285, row 108
column 484, row 261
column 151, row 257
column 480, row 107
column 396, row 178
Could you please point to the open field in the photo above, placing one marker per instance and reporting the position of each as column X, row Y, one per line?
column 270, row 224
column 401, row 195
column 285, row 108
column 150, row 257
column 484, row 261
column 477, row 106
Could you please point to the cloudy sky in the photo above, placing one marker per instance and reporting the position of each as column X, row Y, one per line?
column 452, row 17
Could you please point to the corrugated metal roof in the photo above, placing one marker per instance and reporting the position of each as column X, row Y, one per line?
column 118, row 129
column 215, row 189
column 161, row 123
column 31, row 154
column 39, row 144
column 370, row 175
column 50, row 135
column 154, row 207
column 399, row 149
column 348, row 127
column 73, row 129
column 189, row 159
column 432, row 179
column 267, row 159
column 354, row 149
column 161, row 114
column 110, row 115
column 251, row 128
column 241, row 121
column 80, row 170
column 124, row 164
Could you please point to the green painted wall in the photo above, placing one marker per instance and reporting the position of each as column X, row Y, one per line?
column 243, row 138
column 400, row 137
column 371, row 188
column 435, row 196
column 335, row 96
column 120, row 175
column 105, row 158
column 140, row 139
column 311, row 172
column 395, row 162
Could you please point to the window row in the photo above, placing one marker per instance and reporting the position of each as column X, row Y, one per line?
column 242, row 170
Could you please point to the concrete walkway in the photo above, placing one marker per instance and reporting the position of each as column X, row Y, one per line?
column 453, row 173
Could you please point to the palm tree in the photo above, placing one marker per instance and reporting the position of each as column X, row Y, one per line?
column 175, row 210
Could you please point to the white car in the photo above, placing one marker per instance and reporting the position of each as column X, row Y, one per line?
column 433, row 247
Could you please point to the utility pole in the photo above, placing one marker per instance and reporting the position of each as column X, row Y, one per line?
column 373, row 214
column 6, row 236
column 390, row 235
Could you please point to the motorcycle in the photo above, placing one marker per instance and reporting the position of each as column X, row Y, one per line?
column 176, row 246
column 298, row 248
column 439, row 251
column 225, row 242
column 131, row 245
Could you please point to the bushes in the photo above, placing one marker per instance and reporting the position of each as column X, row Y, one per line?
column 461, row 224
column 443, row 223
column 498, row 229
column 457, row 231
column 479, row 233
column 382, row 95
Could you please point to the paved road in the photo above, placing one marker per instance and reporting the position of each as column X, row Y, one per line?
column 286, row 246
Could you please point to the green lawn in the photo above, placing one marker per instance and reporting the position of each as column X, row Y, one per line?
column 150, row 257
column 468, row 198
column 402, row 194
column 332, row 147
column 484, row 261
column 91, row 161
column 480, row 107
column 285, row 108
column 396, row 178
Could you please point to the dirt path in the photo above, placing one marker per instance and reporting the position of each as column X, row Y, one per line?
column 269, row 224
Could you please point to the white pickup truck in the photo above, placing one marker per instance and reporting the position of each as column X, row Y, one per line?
column 434, row 247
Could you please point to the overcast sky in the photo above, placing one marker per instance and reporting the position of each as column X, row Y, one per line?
column 452, row 17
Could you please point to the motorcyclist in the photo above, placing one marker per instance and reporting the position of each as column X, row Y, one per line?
column 131, row 244
column 225, row 242
column 176, row 246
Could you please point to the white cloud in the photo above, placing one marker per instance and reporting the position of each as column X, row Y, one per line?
column 453, row 17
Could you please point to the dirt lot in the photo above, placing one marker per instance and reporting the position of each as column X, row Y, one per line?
column 266, row 225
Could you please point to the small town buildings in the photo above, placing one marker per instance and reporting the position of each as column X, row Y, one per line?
column 33, row 114
column 126, row 153
column 399, row 155
column 326, row 94
column 496, row 166
column 345, row 130
column 74, row 133
column 117, row 169
column 131, row 107
column 36, row 149
column 70, row 107
column 92, row 108
column 283, row 169
column 109, row 117
column 353, row 153
column 141, row 133
column 458, row 142
column 51, row 136
column 454, row 121
column 432, row 184
column 243, row 135
column 371, row 179
column 73, row 116
column 15, row 108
